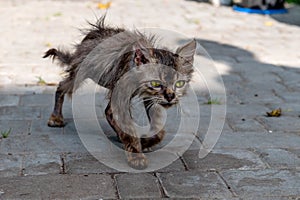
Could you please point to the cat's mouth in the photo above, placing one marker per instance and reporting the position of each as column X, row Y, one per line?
column 166, row 104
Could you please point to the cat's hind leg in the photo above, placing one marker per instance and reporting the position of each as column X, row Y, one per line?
column 111, row 121
column 56, row 118
column 132, row 145
column 66, row 86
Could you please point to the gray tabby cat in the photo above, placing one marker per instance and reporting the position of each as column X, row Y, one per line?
column 128, row 64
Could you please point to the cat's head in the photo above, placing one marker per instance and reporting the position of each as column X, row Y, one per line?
column 167, row 83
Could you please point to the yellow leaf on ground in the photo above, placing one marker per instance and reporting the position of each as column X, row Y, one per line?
column 268, row 23
column 104, row 6
column 274, row 113
column 48, row 44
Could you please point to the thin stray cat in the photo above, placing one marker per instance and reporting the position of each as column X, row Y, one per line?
column 104, row 55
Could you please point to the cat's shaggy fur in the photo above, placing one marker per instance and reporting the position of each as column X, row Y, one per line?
column 105, row 55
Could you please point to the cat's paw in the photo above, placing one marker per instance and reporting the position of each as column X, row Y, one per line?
column 56, row 121
column 137, row 161
column 147, row 150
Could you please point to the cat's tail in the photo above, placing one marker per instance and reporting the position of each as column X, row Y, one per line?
column 64, row 57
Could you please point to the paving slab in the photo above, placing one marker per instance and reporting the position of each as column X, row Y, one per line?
column 26, row 89
column 177, row 166
column 63, row 139
column 42, row 144
column 54, row 143
column 40, row 127
column 284, row 123
column 58, row 187
column 280, row 158
column 138, row 186
column 295, row 151
column 244, row 109
column 18, row 127
column 9, row 100
column 37, row 99
column 223, row 160
column 289, row 79
column 254, row 94
column 11, row 165
column 266, row 183
column 194, row 184
column 85, row 163
column 14, row 144
column 19, row 113
column 205, row 123
column 41, row 164
column 245, row 123
column 246, row 140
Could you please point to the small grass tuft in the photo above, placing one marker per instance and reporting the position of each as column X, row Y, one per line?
column 214, row 101
column 41, row 81
column 57, row 14
column 5, row 134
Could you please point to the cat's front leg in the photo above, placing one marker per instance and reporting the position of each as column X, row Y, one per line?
column 155, row 116
column 135, row 158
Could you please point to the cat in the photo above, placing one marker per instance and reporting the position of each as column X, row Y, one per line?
column 105, row 55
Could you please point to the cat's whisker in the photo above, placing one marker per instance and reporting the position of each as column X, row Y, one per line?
column 150, row 105
column 141, row 100
column 179, row 110
column 154, row 104
column 136, row 102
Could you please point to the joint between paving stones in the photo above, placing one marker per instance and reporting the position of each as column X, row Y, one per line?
column 183, row 163
column 266, row 127
column 277, row 95
column 22, row 167
column 282, row 81
column 63, row 167
column 260, row 156
column 163, row 191
column 115, row 184
column 230, row 125
column 234, row 194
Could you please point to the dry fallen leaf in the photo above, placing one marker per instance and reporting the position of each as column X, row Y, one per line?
column 48, row 44
column 274, row 113
column 268, row 23
column 104, row 6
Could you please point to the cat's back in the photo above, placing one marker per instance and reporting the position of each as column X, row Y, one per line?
column 93, row 36
column 100, row 31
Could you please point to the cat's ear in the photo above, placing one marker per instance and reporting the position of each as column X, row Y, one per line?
column 142, row 54
column 187, row 51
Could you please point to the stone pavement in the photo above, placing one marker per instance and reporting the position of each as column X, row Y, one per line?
column 258, row 58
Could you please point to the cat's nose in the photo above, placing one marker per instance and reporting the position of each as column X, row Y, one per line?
column 169, row 96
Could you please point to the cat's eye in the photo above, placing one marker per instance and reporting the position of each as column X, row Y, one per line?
column 155, row 83
column 180, row 84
